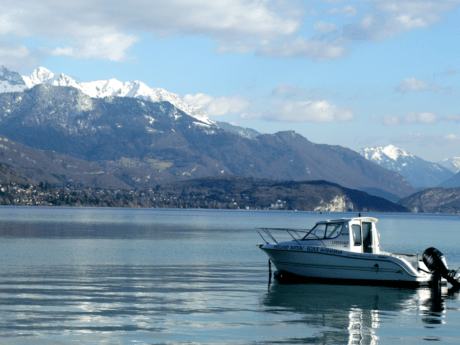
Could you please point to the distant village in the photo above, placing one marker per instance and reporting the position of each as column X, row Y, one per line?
column 233, row 197
column 45, row 194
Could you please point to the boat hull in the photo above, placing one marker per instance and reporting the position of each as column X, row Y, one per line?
column 341, row 266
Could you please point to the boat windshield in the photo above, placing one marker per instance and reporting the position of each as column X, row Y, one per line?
column 324, row 231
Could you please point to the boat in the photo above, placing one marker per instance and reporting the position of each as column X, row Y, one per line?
column 348, row 250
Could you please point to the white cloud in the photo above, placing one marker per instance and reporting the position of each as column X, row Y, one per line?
column 324, row 26
column 424, row 117
column 222, row 19
column 348, row 11
column 391, row 120
column 110, row 46
column 14, row 52
column 413, row 84
column 296, row 104
column 16, row 56
column 68, row 51
column 388, row 18
column 217, row 106
column 225, row 105
column 380, row 20
column 84, row 29
column 426, row 140
column 454, row 118
column 306, row 111
column 411, row 118
column 303, row 47
column 451, row 137
column 408, row 15
column 200, row 100
column 419, row 118
column 97, row 30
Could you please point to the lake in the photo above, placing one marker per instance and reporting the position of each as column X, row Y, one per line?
column 175, row 276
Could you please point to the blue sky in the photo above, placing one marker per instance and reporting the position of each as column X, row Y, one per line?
column 349, row 73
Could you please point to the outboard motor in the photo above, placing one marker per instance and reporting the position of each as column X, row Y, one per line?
column 436, row 263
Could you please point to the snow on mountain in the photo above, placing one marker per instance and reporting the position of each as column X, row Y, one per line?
column 44, row 76
column 383, row 154
column 13, row 82
column 453, row 164
column 420, row 173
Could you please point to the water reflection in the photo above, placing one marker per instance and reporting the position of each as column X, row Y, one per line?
column 132, row 302
column 434, row 309
column 346, row 314
column 93, row 276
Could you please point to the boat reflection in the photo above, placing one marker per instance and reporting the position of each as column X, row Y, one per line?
column 433, row 309
column 350, row 314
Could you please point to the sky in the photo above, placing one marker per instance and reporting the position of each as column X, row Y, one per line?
column 350, row 73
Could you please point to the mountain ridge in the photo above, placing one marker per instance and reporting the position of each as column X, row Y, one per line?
column 145, row 143
column 433, row 200
column 228, row 192
column 453, row 164
column 56, row 168
column 420, row 173
column 13, row 82
column 453, row 182
column 318, row 195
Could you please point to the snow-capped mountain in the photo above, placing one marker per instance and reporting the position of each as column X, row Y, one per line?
column 13, row 82
column 420, row 173
column 383, row 153
column 151, row 143
column 453, row 164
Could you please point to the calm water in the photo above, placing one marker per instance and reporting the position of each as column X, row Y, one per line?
column 129, row 276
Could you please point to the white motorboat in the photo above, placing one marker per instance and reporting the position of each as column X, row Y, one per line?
column 347, row 249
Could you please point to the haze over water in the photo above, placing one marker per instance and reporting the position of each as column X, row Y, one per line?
column 156, row 276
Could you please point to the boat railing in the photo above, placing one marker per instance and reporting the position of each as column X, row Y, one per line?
column 268, row 234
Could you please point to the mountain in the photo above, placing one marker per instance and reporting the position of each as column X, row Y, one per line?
column 8, row 176
column 420, row 173
column 453, row 182
column 227, row 192
column 145, row 144
column 453, row 164
column 433, row 200
column 242, row 131
column 13, row 82
column 56, row 168
column 237, row 191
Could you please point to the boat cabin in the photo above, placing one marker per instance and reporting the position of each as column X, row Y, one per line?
column 358, row 235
